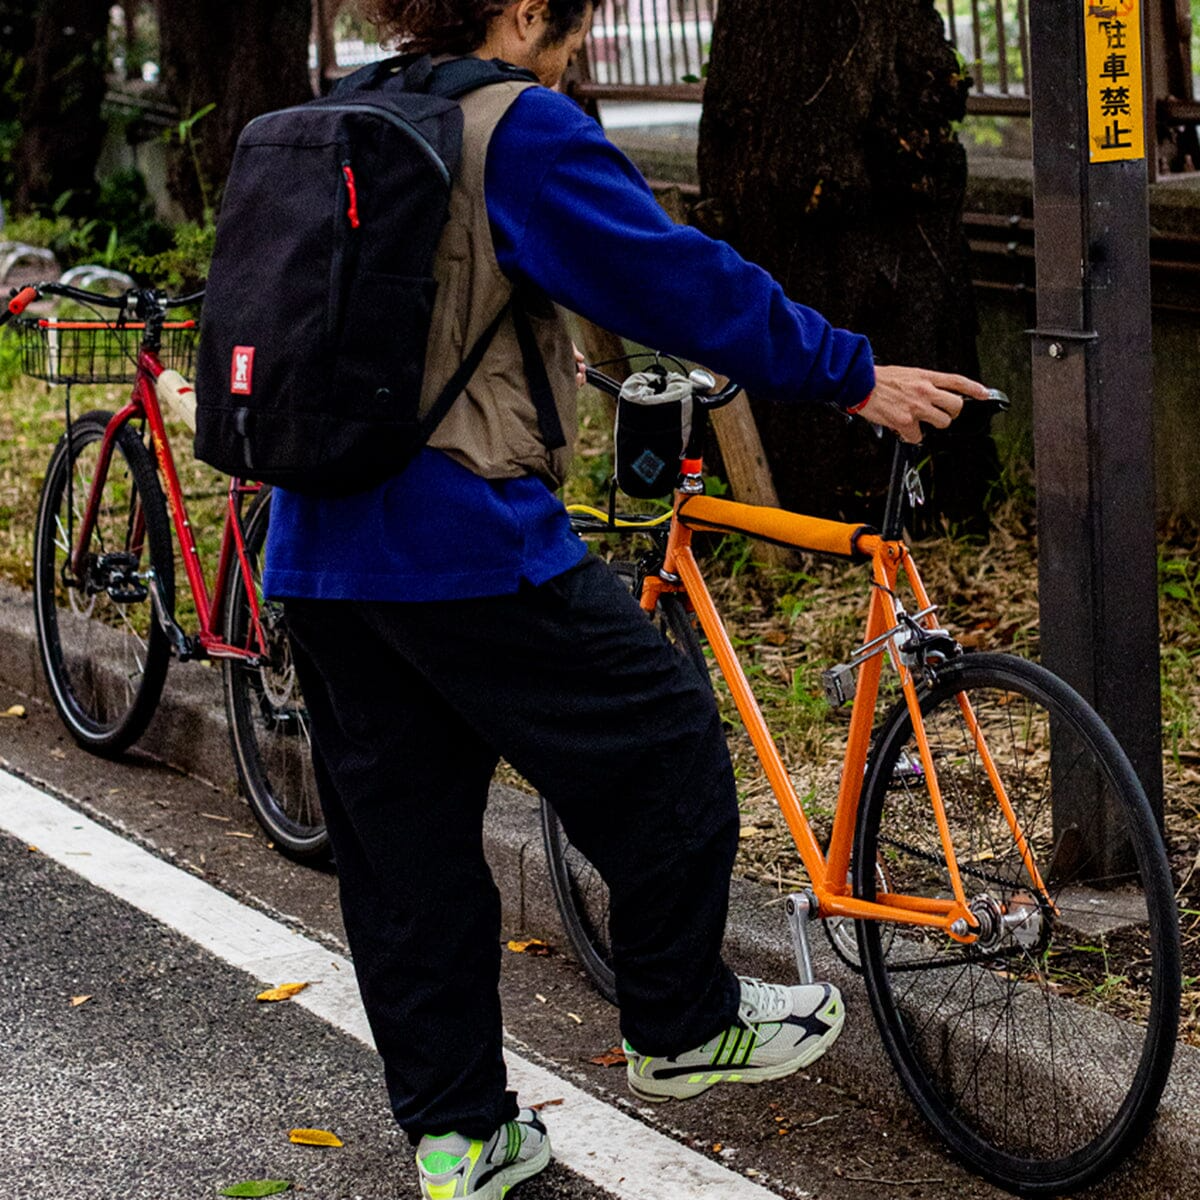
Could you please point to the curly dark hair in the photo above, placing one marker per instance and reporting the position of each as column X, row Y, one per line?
column 459, row 26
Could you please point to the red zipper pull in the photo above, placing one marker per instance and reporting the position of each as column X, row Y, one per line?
column 352, row 211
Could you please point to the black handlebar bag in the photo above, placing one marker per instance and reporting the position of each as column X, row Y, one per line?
column 654, row 422
column 320, row 296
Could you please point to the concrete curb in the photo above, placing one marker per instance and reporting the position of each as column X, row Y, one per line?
column 190, row 733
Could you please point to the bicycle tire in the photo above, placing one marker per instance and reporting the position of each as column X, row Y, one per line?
column 579, row 891
column 268, row 722
column 1039, row 1056
column 102, row 649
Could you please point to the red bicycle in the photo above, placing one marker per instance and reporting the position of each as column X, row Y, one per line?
column 105, row 569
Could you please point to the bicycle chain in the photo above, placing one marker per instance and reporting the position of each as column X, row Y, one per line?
column 970, row 955
column 937, row 861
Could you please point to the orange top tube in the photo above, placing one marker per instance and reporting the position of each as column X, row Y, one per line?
column 777, row 526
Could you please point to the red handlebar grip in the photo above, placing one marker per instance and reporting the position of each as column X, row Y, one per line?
column 25, row 297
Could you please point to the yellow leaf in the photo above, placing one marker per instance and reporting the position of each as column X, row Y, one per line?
column 530, row 946
column 32, row 849
column 14, row 710
column 748, row 831
column 314, row 1137
column 76, row 1001
column 285, row 991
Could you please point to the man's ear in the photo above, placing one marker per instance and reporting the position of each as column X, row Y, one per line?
column 530, row 16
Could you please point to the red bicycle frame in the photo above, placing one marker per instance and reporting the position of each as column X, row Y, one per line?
column 143, row 404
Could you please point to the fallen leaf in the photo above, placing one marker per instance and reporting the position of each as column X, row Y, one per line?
column 314, row 1137
column 748, row 831
column 529, row 946
column 13, row 710
column 283, row 992
column 614, row 1056
column 717, row 1147
column 545, row 1104
column 76, row 1001
column 257, row 1187
column 32, row 849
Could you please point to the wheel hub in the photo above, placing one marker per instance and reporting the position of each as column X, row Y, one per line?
column 1018, row 921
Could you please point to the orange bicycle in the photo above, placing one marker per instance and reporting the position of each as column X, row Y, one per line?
column 1026, row 992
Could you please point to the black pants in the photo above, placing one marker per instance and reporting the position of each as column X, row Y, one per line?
column 411, row 705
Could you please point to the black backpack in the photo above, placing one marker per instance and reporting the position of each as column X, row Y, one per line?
column 320, row 295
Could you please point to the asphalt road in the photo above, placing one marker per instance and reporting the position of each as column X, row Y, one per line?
column 172, row 1081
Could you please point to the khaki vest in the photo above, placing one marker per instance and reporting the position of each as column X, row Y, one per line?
column 492, row 427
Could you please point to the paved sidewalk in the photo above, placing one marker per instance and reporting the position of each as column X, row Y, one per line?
column 190, row 732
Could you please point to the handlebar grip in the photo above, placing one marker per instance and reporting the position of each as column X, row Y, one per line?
column 19, row 302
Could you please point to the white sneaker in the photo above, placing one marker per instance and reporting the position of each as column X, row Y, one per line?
column 780, row 1031
column 452, row 1166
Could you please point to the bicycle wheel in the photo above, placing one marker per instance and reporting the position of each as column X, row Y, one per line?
column 103, row 651
column 268, row 723
column 580, row 892
column 1039, row 1053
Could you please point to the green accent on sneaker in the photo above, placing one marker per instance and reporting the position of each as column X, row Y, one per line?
column 440, row 1161
column 716, row 1058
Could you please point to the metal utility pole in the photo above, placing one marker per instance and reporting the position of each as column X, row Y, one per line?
column 1092, row 392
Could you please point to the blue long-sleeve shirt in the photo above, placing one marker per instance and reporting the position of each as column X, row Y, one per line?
column 571, row 215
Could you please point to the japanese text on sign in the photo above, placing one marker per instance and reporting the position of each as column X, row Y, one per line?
column 1113, row 33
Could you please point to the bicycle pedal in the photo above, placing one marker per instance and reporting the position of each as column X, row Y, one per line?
column 121, row 594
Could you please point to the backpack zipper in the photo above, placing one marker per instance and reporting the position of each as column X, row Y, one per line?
column 352, row 192
column 386, row 113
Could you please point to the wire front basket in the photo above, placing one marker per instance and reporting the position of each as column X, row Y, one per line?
column 98, row 351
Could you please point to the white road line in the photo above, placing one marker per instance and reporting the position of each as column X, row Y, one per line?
column 597, row 1141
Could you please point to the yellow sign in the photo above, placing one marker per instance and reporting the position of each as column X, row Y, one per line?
column 1116, row 125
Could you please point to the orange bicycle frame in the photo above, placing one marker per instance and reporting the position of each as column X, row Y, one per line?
column 829, row 871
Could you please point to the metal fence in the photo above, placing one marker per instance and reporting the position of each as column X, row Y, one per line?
column 657, row 48
column 650, row 43
column 992, row 36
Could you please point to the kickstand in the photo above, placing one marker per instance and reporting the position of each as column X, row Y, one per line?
column 800, row 907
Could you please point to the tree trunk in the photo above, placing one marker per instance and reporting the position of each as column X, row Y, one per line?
column 827, row 155
column 244, row 56
column 61, row 127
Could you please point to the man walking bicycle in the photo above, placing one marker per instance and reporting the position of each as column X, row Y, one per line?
column 449, row 617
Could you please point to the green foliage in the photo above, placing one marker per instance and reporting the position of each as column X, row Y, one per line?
column 72, row 241
column 123, row 234
column 185, row 135
column 257, row 1187
column 124, row 205
column 10, row 362
column 182, row 266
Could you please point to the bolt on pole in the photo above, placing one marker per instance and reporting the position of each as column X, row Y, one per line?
column 1092, row 393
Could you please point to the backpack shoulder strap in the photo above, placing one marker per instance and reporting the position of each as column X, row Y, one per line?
column 456, row 78
column 410, row 72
